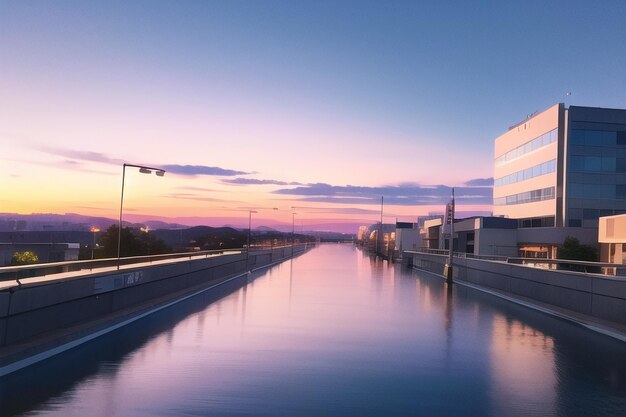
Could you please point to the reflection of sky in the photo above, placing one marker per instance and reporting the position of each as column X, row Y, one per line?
column 337, row 332
column 523, row 369
column 308, row 92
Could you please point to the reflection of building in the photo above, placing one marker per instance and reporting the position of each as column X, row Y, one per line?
column 558, row 171
column 361, row 233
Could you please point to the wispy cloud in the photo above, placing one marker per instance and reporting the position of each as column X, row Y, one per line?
column 337, row 210
column 252, row 181
column 404, row 194
column 480, row 182
column 201, row 170
column 80, row 155
column 192, row 196
column 190, row 188
column 188, row 170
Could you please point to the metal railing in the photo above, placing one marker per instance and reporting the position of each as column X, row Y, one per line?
column 20, row 272
column 38, row 270
column 544, row 263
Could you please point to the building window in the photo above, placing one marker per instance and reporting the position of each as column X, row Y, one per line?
column 535, row 222
column 525, row 174
column 592, row 191
column 534, row 144
column 525, row 197
column 593, row 138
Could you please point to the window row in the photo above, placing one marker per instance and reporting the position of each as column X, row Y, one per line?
column 525, row 197
column 602, row 191
column 597, row 163
column 597, row 138
column 538, row 142
column 591, row 214
column 525, row 174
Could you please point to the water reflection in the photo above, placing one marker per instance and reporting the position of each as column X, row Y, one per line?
column 333, row 332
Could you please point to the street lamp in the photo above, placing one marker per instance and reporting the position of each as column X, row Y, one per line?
column 250, row 211
column 144, row 170
column 94, row 230
column 250, row 227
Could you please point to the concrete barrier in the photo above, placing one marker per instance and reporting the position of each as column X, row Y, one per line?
column 597, row 296
column 36, row 308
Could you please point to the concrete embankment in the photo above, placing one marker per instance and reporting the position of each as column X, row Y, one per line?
column 48, row 316
column 595, row 301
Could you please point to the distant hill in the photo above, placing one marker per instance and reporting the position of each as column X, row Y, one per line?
column 10, row 222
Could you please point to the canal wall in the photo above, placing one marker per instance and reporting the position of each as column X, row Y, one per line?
column 39, row 309
column 596, row 296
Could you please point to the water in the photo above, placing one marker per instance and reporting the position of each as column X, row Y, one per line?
column 333, row 333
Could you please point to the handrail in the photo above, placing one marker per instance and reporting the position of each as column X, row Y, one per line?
column 15, row 273
column 577, row 266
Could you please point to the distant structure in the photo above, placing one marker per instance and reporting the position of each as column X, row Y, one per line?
column 557, row 172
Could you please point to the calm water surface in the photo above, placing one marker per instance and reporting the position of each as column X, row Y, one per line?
column 333, row 333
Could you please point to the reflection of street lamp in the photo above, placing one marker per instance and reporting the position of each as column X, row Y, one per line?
column 94, row 230
column 250, row 227
column 144, row 170
column 293, row 231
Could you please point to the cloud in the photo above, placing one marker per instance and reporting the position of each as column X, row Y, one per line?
column 403, row 194
column 338, row 210
column 480, row 182
column 191, row 196
column 201, row 170
column 190, row 188
column 81, row 155
column 189, row 170
column 252, row 181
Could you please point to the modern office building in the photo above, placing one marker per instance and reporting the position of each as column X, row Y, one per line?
column 558, row 171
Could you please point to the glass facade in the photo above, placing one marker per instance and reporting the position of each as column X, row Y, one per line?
column 538, row 142
column 525, row 197
column 525, row 174
column 596, row 180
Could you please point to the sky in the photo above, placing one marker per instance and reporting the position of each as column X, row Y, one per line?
column 323, row 106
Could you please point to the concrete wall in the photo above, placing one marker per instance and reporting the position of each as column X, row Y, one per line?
column 593, row 295
column 37, row 308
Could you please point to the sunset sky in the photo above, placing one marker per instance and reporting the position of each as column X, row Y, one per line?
column 325, row 106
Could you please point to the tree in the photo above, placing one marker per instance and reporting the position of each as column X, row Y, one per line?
column 134, row 243
column 573, row 250
column 24, row 258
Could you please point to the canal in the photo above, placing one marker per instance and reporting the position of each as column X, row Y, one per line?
column 332, row 333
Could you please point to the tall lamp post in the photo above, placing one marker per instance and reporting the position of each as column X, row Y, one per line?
column 249, row 236
column 144, row 170
column 250, row 211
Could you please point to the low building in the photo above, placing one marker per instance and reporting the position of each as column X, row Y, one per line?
column 407, row 237
column 46, row 252
column 612, row 239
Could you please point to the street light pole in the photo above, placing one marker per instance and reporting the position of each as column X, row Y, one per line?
column 144, row 170
column 249, row 237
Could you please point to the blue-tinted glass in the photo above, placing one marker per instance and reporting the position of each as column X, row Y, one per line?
column 577, row 137
column 575, row 213
column 577, row 163
column 593, row 163
column 575, row 190
column 608, row 164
